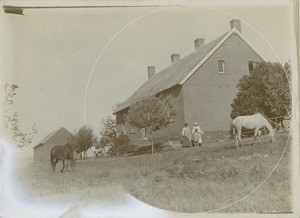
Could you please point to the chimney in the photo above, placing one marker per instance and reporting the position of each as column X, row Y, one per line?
column 199, row 43
column 237, row 24
column 175, row 57
column 151, row 72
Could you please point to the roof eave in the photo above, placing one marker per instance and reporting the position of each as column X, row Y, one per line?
column 118, row 111
column 127, row 107
column 40, row 144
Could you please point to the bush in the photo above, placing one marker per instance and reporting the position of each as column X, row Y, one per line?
column 121, row 140
column 122, row 146
column 118, row 150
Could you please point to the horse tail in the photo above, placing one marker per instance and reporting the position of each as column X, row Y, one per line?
column 232, row 130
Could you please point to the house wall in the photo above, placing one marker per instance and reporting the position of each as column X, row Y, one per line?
column 208, row 94
column 173, row 128
column 42, row 153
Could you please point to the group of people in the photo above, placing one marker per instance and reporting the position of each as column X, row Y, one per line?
column 191, row 138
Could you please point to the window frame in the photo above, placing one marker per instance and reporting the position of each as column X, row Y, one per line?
column 221, row 67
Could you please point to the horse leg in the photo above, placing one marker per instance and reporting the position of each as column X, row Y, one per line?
column 54, row 164
column 67, row 164
column 236, row 140
column 239, row 133
column 63, row 166
column 234, row 134
column 256, row 133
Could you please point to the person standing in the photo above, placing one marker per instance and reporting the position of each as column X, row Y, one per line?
column 197, row 138
column 197, row 128
column 186, row 136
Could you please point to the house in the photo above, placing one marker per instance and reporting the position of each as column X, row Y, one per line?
column 202, row 83
column 58, row 137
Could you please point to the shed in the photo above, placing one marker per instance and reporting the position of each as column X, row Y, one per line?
column 58, row 137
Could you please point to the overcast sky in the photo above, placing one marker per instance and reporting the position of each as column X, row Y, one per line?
column 51, row 53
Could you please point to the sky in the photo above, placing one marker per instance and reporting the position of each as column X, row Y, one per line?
column 73, row 65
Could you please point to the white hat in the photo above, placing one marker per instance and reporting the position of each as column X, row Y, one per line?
column 196, row 123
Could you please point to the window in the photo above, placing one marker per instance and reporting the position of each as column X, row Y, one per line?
column 221, row 66
column 251, row 65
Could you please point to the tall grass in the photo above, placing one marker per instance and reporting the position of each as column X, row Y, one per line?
column 189, row 180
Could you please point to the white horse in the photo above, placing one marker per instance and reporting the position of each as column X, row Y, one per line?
column 255, row 121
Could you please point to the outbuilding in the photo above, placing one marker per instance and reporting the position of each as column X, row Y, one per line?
column 58, row 137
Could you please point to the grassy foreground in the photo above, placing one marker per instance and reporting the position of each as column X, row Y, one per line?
column 199, row 179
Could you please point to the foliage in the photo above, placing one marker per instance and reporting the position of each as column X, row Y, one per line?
column 108, row 131
column 122, row 139
column 266, row 89
column 120, row 143
column 84, row 138
column 124, row 149
column 12, row 121
column 151, row 113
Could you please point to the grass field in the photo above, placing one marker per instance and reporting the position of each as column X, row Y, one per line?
column 199, row 179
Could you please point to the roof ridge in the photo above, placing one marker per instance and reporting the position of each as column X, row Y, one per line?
column 50, row 135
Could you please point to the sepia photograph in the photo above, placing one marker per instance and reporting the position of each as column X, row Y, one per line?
column 149, row 109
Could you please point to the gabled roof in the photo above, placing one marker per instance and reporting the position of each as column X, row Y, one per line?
column 180, row 71
column 47, row 137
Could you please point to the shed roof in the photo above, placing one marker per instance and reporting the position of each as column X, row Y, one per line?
column 47, row 137
column 178, row 72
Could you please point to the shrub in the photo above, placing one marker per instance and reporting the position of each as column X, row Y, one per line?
column 122, row 146
column 118, row 150
column 122, row 140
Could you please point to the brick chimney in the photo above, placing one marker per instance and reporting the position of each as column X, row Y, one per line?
column 175, row 57
column 151, row 72
column 237, row 24
column 199, row 43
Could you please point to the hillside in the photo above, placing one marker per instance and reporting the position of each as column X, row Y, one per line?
column 205, row 178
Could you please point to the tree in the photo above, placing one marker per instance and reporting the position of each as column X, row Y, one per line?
column 84, row 138
column 151, row 113
column 108, row 136
column 266, row 89
column 12, row 121
column 108, row 131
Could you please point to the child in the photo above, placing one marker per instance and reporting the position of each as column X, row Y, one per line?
column 197, row 138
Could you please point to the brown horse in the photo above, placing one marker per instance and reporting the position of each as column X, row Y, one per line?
column 62, row 152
